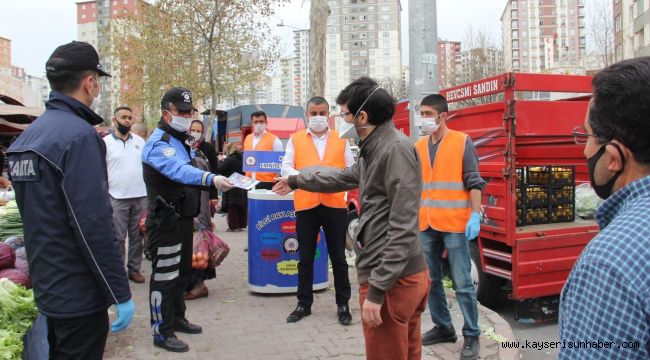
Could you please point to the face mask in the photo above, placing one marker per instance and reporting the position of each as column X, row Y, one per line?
column 605, row 190
column 196, row 135
column 123, row 129
column 259, row 128
column 429, row 125
column 318, row 123
column 180, row 123
column 95, row 104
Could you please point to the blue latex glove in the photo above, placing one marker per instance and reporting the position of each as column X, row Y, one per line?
column 473, row 226
column 124, row 315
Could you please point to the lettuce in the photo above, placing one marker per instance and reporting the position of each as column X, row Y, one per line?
column 17, row 314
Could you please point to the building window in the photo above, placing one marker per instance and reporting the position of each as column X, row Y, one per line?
column 83, row 7
column 83, row 16
column 617, row 24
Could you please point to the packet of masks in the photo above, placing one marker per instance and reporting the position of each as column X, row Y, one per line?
column 242, row 182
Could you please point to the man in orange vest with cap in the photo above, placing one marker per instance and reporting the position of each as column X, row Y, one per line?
column 262, row 140
column 319, row 147
column 449, row 217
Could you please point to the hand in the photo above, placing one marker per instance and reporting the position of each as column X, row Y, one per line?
column 371, row 313
column 222, row 183
column 124, row 315
column 282, row 187
column 473, row 226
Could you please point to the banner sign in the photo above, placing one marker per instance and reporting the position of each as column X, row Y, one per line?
column 263, row 161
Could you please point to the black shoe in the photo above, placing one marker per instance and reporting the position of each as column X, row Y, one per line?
column 471, row 347
column 300, row 312
column 345, row 318
column 172, row 344
column 439, row 335
column 184, row 326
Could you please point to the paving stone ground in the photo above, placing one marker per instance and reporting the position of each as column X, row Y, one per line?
column 241, row 325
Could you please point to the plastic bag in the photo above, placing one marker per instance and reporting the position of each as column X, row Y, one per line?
column 218, row 249
column 586, row 201
column 200, row 251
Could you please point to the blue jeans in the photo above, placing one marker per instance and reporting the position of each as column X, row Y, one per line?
column 434, row 243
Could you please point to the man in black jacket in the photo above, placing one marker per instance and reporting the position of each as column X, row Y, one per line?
column 58, row 170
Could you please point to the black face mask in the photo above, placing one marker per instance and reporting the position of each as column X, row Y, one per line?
column 605, row 190
column 123, row 129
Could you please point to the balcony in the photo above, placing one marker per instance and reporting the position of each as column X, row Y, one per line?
column 641, row 20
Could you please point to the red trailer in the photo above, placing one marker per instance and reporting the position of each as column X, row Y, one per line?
column 529, row 125
column 526, row 128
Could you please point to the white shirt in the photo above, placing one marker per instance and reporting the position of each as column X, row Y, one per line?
column 277, row 145
column 320, row 143
column 124, row 164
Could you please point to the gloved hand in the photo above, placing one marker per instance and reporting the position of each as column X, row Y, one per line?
column 473, row 226
column 222, row 183
column 124, row 315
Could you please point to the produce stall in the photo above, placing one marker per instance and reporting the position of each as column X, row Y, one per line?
column 17, row 308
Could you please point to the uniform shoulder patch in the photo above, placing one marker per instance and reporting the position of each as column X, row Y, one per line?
column 169, row 151
column 24, row 167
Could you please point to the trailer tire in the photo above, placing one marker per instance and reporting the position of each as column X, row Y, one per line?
column 352, row 222
column 488, row 287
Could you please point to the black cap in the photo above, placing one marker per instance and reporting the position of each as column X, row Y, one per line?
column 75, row 56
column 180, row 97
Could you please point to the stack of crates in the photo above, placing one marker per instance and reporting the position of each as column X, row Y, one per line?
column 545, row 194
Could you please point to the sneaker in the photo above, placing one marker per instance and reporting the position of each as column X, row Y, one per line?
column 439, row 335
column 471, row 347
column 343, row 312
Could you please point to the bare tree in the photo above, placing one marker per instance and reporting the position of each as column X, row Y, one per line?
column 394, row 86
column 480, row 59
column 601, row 30
column 318, row 13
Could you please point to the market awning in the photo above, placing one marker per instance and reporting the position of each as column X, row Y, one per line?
column 15, row 118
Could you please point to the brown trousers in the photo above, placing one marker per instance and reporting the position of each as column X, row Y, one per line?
column 398, row 337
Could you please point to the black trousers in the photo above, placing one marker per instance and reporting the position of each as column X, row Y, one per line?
column 308, row 224
column 79, row 338
column 171, row 250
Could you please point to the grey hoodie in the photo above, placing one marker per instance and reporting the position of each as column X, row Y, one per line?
column 388, row 177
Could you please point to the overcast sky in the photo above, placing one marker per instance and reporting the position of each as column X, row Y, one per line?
column 37, row 27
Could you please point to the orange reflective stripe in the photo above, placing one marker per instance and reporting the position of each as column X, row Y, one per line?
column 445, row 203
column 265, row 144
column 306, row 155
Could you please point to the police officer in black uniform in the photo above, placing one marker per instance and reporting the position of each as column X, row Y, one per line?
column 58, row 170
column 173, row 188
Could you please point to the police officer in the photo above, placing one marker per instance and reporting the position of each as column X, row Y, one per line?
column 58, row 170
column 173, row 189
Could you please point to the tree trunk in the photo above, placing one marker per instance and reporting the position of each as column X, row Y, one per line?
column 318, row 13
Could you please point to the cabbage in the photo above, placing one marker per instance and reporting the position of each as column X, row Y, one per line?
column 586, row 201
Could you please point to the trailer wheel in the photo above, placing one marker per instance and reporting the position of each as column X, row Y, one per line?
column 353, row 221
column 488, row 287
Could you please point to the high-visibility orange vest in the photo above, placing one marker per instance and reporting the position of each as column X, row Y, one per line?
column 306, row 155
column 265, row 144
column 445, row 203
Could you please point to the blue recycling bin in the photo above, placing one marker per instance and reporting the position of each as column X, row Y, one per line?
column 273, row 245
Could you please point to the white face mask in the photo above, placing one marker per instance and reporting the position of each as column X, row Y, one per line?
column 196, row 135
column 347, row 130
column 180, row 123
column 318, row 123
column 429, row 126
column 95, row 104
column 259, row 129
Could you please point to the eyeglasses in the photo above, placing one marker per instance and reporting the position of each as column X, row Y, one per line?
column 344, row 113
column 580, row 135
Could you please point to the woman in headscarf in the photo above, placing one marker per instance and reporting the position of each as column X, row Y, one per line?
column 203, row 221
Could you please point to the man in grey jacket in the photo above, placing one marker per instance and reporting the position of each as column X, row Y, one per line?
column 391, row 270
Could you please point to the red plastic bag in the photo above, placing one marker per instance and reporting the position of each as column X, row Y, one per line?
column 200, row 252
column 217, row 247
